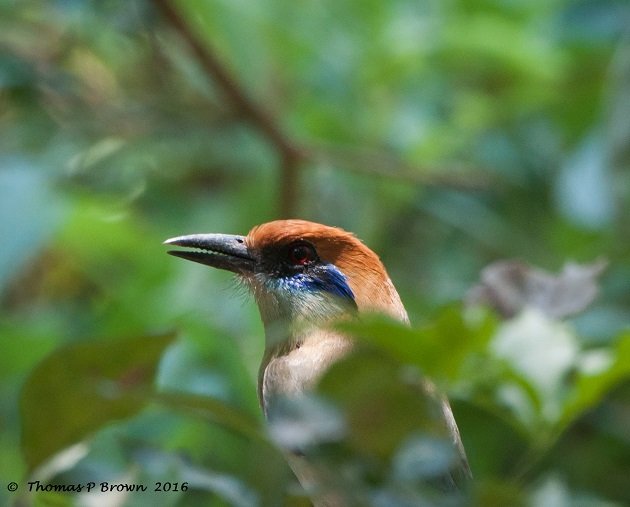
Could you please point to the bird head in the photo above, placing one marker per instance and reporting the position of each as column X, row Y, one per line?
column 299, row 271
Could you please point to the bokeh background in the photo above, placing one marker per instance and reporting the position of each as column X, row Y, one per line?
column 446, row 134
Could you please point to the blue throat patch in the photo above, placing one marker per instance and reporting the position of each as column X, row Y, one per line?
column 327, row 279
column 332, row 280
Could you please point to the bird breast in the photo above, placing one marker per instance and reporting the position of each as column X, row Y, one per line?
column 286, row 373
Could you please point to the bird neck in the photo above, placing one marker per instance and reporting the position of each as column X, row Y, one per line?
column 289, row 319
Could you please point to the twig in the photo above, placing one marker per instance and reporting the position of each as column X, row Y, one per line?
column 392, row 167
column 290, row 154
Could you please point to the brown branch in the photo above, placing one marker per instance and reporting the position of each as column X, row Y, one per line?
column 388, row 166
column 290, row 154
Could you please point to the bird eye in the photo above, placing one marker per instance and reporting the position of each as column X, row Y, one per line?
column 301, row 254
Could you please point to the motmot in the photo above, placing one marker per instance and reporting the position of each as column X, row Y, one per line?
column 305, row 277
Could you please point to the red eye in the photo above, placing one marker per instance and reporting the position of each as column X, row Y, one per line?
column 301, row 254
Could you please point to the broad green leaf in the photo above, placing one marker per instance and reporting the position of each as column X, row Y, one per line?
column 382, row 405
column 590, row 389
column 439, row 349
column 80, row 387
column 494, row 441
column 217, row 411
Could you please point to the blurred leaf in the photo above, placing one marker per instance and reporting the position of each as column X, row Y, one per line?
column 585, row 186
column 213, row 409
column 439, row 349
column 499, row 494
column 171, row 467
column 305, row 421
column 540, row 351
column 595, row 447
column 31, row 213
column 81, row 387
column 590, row 388
column 509, row 287
column 552, row 492
column 421, row 458
column 260, row 465
column 381, row 404
column 396, row 447
column 494, row 444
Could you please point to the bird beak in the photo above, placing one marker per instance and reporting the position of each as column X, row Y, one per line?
column 222, row 251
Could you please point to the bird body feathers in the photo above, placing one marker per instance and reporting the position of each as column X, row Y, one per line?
column 305, row 277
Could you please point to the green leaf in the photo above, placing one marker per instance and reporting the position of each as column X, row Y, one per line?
column 493, row 440
column 215, row 410
column 590, row 389
column 372, row 392
column 82, row 386
column 262, row 467
column 439, row 349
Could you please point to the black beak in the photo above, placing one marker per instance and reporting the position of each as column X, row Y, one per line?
column 222, row 251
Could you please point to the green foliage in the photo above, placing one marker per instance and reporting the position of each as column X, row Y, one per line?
column 446, row 135
column 81, row 387
column 214, row 410
column 591, row 387
column 438, row 349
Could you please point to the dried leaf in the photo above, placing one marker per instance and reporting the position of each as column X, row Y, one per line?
column 511, row 286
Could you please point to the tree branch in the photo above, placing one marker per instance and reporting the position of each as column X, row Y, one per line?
column 375, row 163
column 290, row 153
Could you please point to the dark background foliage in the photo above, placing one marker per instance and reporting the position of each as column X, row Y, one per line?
column 447, row 135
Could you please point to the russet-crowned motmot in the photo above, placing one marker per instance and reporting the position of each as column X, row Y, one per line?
column 304, row 277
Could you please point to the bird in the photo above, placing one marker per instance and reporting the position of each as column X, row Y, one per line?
column 305, row 277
